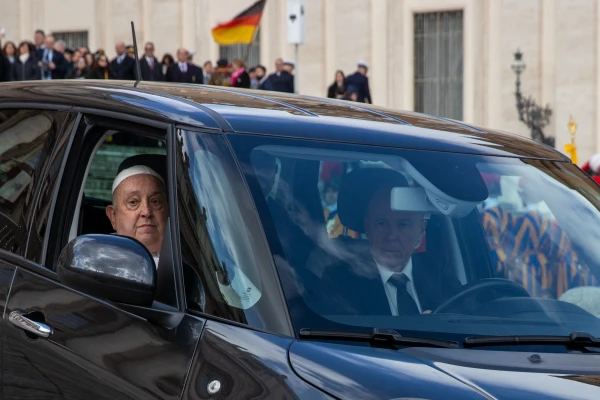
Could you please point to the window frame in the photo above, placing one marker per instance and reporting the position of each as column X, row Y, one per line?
column 92, row 125
column 286, row 327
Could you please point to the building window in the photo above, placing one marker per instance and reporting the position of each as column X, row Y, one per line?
column 438, row 68
column 251, row 56
column 73, row 40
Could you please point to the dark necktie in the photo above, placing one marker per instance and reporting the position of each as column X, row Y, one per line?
column 406, row 304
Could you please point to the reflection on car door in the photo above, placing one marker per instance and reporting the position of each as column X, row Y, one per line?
column 95, row 350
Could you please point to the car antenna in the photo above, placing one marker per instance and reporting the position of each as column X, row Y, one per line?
column 137, row 58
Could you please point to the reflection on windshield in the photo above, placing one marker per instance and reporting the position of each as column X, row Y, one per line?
column 424, row 241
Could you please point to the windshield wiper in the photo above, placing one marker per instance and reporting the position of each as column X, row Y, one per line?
column 580, row 339
column 377, row 337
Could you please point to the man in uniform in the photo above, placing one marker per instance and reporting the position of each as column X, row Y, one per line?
column 361, row 82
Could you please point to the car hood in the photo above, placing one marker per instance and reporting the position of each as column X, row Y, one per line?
column 358, row 372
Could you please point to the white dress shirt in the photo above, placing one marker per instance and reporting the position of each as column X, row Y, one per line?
column 183, row 67
column 390, row 290
column 150, row 61
column 121, row 58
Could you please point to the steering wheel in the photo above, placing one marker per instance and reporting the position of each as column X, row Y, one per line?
column 484, row 287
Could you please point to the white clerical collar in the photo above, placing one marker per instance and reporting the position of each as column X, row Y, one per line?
column 386, row 274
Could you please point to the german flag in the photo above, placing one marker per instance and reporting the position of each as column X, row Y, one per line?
column 241, row 28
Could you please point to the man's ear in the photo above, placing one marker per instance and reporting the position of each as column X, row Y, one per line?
column 110, row 213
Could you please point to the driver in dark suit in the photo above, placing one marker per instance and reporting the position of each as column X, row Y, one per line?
column 389, row 279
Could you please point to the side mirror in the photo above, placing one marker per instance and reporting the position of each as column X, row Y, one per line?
column 111, row 267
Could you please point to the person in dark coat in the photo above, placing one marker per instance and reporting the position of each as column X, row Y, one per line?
column 361, row 82
column 150, row 68
column 26, row 67
column 166, row 62
column 39, row 38
column 5, row 68
column 53, row 64
column 184, row 72
column 240, row 77
column 337, row 89
column 100, row 69
column 280, row 80
column 123, row 66
column 79, row 71
column 261, row 75
column 11, row 53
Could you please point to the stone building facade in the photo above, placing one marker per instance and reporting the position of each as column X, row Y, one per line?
column 560, row 40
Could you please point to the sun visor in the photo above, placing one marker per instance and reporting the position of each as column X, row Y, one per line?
column 434, row 197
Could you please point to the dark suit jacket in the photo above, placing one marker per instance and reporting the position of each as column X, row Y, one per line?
column 97, row 73
column 5, row 69
column 39, row 52
column 334, row 90
column 125, row 70
column 62, row 65
column 242, row 81
column 27, row 71
column 361, row 82
column 193, row 74
column 149, row 74
column 355, row 287
column 284, row 82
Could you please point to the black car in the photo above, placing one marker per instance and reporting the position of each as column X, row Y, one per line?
column 313, row 248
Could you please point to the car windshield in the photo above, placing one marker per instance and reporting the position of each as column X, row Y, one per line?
column 427, row 242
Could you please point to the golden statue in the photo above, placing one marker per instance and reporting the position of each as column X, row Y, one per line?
column 570, row 148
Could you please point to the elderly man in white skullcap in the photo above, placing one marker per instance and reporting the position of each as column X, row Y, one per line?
column 139, row 209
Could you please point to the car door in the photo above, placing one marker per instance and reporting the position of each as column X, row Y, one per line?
column 62, row 343
column 28, row 137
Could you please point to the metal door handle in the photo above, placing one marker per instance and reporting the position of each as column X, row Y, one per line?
column 29, row 325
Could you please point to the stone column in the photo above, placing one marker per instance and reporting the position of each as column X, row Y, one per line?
column 379, row 63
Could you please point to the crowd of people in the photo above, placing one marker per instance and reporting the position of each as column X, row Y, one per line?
column 48, row 59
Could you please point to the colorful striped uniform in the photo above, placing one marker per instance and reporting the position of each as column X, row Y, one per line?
column 335, row 227
column 531, row 249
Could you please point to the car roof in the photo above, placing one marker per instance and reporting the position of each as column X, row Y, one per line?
column 277, row 114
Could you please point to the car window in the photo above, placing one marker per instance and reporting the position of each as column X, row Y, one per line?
column 97, row 191
column 221, row 242
column 518, row 237
column 26, row 142
column 115, row 149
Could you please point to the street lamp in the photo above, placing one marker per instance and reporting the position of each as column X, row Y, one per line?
column 532, row 115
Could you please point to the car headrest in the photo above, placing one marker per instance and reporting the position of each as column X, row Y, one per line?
column 157, row 162
column 356, row 189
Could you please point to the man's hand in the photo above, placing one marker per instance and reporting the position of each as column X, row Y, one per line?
column 51, row 65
